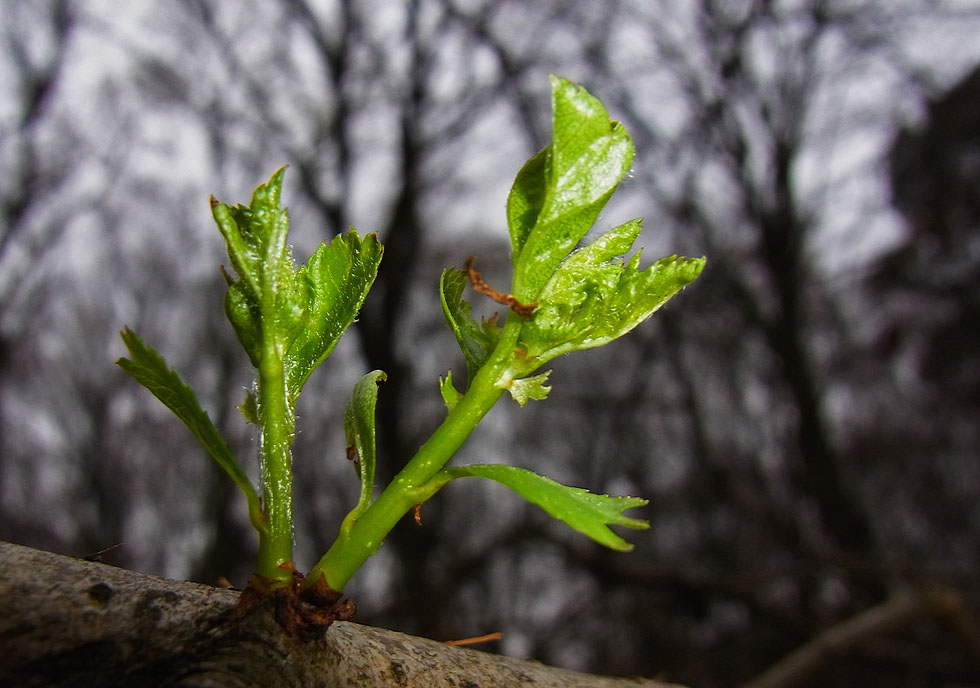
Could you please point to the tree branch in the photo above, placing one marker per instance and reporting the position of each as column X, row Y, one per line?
column 888, row 617
column 66, row 622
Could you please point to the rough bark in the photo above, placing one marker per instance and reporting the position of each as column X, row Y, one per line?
column 68, row 622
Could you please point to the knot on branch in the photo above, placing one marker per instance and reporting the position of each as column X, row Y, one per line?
column 303, row 610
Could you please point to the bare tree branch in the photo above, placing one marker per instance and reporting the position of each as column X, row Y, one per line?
column 846, row 637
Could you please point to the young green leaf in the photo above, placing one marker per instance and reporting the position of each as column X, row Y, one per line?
column 594, row 298
column 476, row 340
column 150, row 369
column 560, row 191
column 586, row 512
column 331, row 288
column 261, row 303
column 250, row 407
column 299, row 313
column 360, row 434
column 450, row 395
column 526, row 388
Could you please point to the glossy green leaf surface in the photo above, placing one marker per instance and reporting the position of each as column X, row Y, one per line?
column 300, row 313
column 584, row 296
column 261, row 303
column 331, row 288
column 560, row 191
column 595, row 297
column 586, row 512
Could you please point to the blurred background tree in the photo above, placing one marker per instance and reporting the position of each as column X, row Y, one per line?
column 803, row 418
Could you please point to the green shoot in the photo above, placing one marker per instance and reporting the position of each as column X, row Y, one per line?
column 288, row 321
column 564, row 297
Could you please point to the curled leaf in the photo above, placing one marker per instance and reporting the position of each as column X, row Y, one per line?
column 450, row 396
column 359, row 431
column 261, row 301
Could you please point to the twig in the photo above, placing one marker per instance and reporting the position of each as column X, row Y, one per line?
column 849, row 635
column 485, row 638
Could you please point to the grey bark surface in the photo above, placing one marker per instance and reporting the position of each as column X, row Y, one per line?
column 70, row 622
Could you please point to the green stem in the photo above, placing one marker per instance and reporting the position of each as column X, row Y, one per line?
column 353, row 547
column 276, row 544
